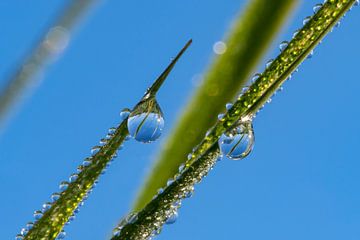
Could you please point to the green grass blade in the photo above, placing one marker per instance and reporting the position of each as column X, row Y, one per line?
column 53, row 219
column 246, row 43
column 151, row 218
column 44, row 51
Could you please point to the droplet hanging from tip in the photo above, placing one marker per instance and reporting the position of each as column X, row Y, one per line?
column 237, row 143
column 146, row 122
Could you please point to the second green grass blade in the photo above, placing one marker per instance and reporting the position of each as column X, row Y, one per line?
column 248, row 39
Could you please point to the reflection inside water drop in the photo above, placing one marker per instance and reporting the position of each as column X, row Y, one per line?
column 146, row 121
column 238, row 142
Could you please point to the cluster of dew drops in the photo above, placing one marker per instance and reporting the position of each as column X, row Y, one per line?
column 146, row 127
column 236, row 144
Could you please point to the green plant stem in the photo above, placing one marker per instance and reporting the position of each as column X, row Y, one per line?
column 53, row 220
column 151, row 92
column 247, row 42
column 24, row 74
column 154, row 214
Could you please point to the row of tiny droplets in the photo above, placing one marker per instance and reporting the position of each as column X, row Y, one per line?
column 72, row 179
column 172, row 213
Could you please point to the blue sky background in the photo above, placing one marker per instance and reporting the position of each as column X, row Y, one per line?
column 301, row 181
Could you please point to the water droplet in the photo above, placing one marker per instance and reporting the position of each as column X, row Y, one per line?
column 24, row 231
column 160, row 191
column 61, row 235
column 306, row 20
column 46, row 206
column 124, row 113
column 238, row 142
column 181, row 168
column 87, row 162
column 29, row 225
column 172, row 218
column 116, row 232
column 268, row 64
column 295, row 33
column 131, row 217
column 63, row 186
column 19, row 237
column 311, row 54
column 189, row 156
column 55, row 196
column 73, row 178
column 317, row 7
column 228, row 106
column 38, row 214
column 357, row 3
column 283, row 45
column 220, row 116
column 95, row 150
column 169, row 182
column 146, row 121
column 255, row 77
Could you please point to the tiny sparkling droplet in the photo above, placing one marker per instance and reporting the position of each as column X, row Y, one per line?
column 317, row 7
column 63, row 186
column 283, row 45
column 228, row 106
column 124, row 113
column 306, row 20
column 61, row 235
column 73, row 178
column 38, row 214
column 46, row 206
column 95, row 150
column 172, row 218
column 268, row 64
column 24, row 231
column 221, row 116
column 19, row 237
column 181, row 168
column 55, row 197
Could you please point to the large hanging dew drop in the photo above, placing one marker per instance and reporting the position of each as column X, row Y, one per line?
column 238, row 142
column 146, row 121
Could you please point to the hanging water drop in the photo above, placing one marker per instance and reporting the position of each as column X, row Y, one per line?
column 145, row 123
column 283, row 45
column 238, row 142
